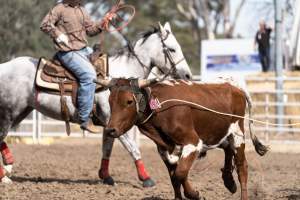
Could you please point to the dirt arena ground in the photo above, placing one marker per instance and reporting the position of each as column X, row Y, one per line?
column 68, row 170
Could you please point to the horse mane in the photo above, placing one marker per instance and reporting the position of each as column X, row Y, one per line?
column 148, row 33
column 144, row 35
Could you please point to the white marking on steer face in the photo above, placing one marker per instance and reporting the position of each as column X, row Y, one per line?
column 8, row 169
column 6, row 180
column 238, row 135
column 190, row 148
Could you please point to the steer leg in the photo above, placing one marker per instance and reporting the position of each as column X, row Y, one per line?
column 228, row 169
column 184, row 165
column 190, row 152
column 242, row 170
column 171, row 169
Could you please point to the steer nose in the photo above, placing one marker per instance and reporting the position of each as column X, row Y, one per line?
column 111, row 132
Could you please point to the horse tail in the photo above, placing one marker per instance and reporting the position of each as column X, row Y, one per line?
column 259, row 147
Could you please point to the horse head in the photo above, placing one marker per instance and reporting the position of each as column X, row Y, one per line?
column 164, row 51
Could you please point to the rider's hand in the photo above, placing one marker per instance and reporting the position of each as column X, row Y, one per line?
column 62, row 38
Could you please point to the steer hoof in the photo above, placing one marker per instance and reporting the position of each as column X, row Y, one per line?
column 6, row 180
column 194, row 195
column 108, row 181
column 148, row 183
column 229, row 182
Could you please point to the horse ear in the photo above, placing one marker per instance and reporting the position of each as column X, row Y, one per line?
column 162, row 30
column 168, row 27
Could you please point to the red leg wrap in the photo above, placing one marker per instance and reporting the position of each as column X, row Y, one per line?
column 143, row 175
column 104, row 170
column 2, row 173
column 8, row 158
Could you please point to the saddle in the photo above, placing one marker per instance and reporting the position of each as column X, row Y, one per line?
column 52, row 77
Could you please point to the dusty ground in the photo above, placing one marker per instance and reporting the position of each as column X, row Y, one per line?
column 68, row 170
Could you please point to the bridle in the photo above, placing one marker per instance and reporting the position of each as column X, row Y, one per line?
column 168, row 56
column 166, row 52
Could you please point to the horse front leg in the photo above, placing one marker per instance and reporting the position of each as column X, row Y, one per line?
column 8, row 161
column 103, row 173
column 132, row 147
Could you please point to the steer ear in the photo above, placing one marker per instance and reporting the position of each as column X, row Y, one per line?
column 103, row 82
column 147, row 82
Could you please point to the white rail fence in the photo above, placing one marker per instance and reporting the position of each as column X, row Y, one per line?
column 38, row 126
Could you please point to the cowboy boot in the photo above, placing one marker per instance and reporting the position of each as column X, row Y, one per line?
column 90, row 127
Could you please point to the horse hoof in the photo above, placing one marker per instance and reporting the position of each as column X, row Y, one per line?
column 8, row 169
column 108, row 181
column 148, row 183
column 6, row 180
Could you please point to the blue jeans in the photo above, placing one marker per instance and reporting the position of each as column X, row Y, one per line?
column 78, row 63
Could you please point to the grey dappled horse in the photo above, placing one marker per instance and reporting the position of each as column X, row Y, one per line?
column 18, row 94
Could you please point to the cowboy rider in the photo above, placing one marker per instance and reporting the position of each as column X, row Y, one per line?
column 68, row 24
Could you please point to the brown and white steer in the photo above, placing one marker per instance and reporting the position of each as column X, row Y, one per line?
column 182, row 131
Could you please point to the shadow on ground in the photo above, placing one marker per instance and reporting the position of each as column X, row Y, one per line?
column 22, row 179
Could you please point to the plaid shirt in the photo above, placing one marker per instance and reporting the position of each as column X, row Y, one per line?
column 74, row 22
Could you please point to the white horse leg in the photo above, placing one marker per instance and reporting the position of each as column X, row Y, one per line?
column 132, row 147
column 8, row 161
column 7, row 157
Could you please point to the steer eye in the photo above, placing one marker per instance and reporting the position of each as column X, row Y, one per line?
column 129, row 102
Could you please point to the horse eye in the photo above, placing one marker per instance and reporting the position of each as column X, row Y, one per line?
column 172, row 50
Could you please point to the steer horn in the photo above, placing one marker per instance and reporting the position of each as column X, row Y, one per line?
column 147, row 82
column 104, row 82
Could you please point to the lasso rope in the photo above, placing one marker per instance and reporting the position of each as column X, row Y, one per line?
column 221, row 113
column 113, row 14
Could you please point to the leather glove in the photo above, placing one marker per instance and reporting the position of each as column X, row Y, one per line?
column 62, row 38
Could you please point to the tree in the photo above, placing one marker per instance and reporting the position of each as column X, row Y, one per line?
column 20, row 34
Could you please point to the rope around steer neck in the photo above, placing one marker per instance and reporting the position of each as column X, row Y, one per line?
column 220, row 113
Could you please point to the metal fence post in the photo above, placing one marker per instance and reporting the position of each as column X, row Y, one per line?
column 34, row 127
column 279, row 62
column 267, row 100
column 39, row 127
